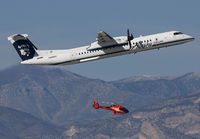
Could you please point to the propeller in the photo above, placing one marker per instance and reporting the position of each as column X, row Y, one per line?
column 129, row 37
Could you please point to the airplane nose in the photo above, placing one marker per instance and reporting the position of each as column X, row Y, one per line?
column 191, row 38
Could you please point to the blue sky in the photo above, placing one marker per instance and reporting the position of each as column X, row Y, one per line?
column 65, row 24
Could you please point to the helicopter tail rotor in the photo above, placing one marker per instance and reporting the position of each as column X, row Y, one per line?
column 95, row 104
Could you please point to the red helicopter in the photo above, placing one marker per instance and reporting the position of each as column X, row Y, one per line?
column 115, row 108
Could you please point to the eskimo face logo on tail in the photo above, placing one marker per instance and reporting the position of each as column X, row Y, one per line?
column 24, row 50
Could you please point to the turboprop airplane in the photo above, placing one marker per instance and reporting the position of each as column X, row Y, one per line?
column 105, row 46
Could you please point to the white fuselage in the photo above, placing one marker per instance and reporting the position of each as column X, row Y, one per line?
column 84, row 54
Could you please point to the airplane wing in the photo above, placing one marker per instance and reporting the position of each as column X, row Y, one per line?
column 103, row 40
column 103, row 37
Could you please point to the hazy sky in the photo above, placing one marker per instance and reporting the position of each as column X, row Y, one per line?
column 64, row 24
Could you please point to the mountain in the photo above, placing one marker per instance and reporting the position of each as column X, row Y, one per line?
column 65, row 98
column 163, row 86
column 19, row 125
column 176, row 118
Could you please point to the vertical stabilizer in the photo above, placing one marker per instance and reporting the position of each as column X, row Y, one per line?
column 24, row 47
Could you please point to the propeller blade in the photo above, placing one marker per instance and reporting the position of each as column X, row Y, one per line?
column 128, row 38
column 131, row 37
column 128, row 33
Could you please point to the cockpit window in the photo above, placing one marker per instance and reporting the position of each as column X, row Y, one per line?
column 123, row 109
column 177, row 33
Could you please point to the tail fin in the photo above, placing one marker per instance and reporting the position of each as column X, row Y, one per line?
column 24, row 47
column 96, row 104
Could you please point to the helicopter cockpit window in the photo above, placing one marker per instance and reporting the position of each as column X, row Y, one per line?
column 123, row 109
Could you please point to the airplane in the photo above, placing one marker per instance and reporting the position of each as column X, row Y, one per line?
column 115, row 108
column 105, row 46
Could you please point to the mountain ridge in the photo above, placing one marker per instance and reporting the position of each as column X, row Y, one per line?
column 17, row 124
column 174, row 118
column 64, row 100
column 53, row 94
